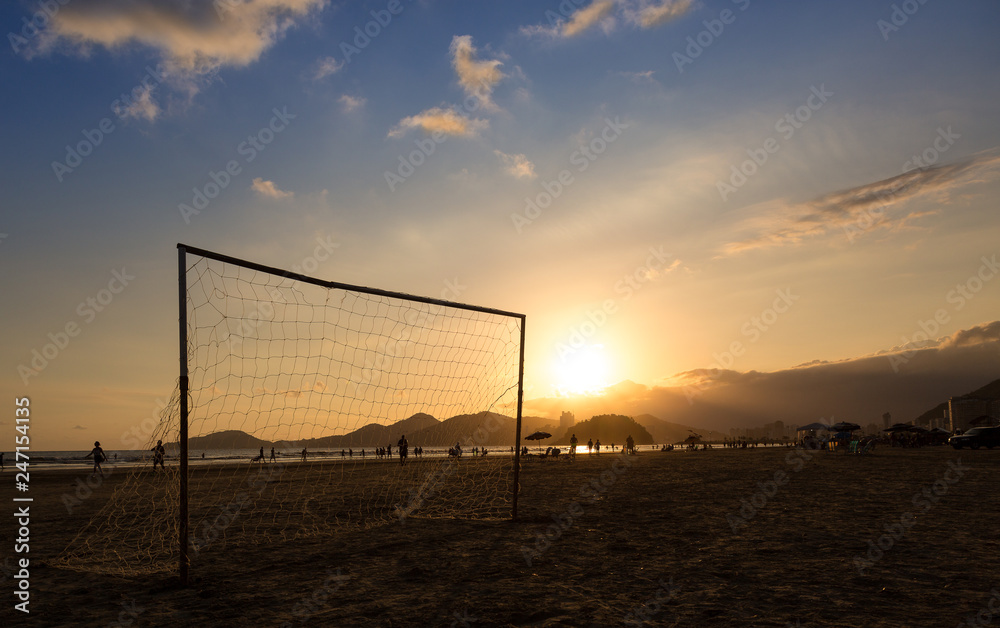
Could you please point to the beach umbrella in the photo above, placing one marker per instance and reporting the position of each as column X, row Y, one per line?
column 813, row 427
column 539, row 435
column 844, row 426
column 939, row 435
column 694, row 438
column 898, row 427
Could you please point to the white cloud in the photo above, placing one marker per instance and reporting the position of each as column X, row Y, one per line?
column 350, row 103
column 193, row 38
column 269, row 189
column 587, row 17
column 141, row 106
column 576, row 23
column 599, row 13
column 516, row 165
column 325, row 67
column 477, row 78
column 440, row 120
column 652, row 16
column 877, row 205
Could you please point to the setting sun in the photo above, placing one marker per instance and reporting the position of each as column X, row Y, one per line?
column 582, row 371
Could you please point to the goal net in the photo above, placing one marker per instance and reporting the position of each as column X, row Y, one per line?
column 300, row 392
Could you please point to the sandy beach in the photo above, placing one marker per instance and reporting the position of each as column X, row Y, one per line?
column 777, row 537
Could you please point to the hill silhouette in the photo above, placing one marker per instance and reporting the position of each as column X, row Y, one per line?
column 374, row 434
column 667, row 432
column 487, row 428
column 229, row 439
column 989, row 391
column 607, row 428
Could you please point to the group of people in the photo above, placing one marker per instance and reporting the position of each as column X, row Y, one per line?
column 380, row 453
column 595, row 447
column 386, row 452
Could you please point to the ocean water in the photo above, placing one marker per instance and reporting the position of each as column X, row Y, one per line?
column 42, row 460
column 124, row 458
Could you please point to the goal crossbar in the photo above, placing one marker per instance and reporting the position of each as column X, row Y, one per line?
column 184, row 250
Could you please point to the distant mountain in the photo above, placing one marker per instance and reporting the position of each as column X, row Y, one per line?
column 666, row 432
column 374, row 434
column 531, row 424
column 989, row 391
column 937, row 412
column 485, row 428
column 230, row 439
column 607, row 428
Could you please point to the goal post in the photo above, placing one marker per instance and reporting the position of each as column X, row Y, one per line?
column 293, row 398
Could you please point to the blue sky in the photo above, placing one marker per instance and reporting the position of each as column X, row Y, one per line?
column 515, row 95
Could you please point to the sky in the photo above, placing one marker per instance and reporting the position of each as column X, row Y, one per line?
column 664, row 188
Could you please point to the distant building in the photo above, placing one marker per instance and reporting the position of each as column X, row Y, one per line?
column 962, row 410
column 567, row 420
column 886, row 420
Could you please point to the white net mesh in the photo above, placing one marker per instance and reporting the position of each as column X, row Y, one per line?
column 323, row 382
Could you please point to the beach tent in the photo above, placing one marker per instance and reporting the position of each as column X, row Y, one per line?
column 812, row 427
column 844, row 426
column 939, row 435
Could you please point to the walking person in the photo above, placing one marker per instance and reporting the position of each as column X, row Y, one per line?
column 99, row 457
column 403, row 449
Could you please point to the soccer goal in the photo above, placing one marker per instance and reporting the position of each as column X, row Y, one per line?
column 293, row 397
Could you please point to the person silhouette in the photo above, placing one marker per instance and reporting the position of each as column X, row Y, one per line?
column 403, row 449
column 158, row 455
column 272, row 454
column 99, row 457
column 572, row 444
